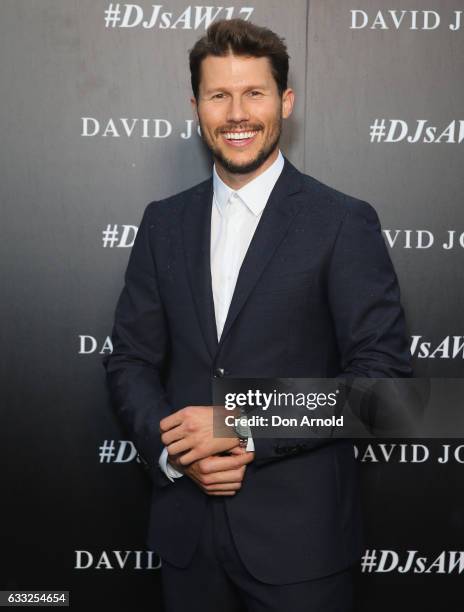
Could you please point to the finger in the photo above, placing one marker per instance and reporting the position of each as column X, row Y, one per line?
column 191, row 473
column 248, row 457
column 230, row 486
column 225, row 477
column 176, row 433
column 173, row 420
column 181, row 446
column 237, row 450
column 216, row 491
column 220, row 464
column 188, row 457
column 196, row 453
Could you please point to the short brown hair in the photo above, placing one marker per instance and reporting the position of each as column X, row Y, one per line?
column 240, row 37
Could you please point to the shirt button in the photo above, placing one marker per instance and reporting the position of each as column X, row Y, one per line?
column 219, row 372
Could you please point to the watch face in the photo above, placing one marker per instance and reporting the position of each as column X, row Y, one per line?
column 243, row 431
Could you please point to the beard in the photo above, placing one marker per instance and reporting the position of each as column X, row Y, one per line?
column 262, row 155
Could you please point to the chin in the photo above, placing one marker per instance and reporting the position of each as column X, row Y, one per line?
column 245, row 167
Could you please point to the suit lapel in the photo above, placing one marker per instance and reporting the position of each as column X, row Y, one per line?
column 272, row 228
column 196, row 229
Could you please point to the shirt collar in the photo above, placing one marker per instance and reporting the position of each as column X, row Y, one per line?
column 254, row 194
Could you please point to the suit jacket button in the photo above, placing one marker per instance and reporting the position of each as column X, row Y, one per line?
column 219, row 372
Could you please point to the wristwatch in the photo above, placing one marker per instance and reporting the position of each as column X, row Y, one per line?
column 243, row 432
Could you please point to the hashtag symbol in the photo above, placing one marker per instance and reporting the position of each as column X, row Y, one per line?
column 112, row 15
column 368, row 561
column 106, row 451
column 377, row 130
column 110, row 236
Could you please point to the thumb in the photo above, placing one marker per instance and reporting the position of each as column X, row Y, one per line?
column 237, row 450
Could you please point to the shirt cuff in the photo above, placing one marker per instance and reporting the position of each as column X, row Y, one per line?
column 166, row 467
column 250, row 444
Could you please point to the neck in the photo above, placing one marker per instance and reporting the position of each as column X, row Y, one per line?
column 235, row 180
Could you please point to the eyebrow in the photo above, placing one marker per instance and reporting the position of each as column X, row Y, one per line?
column 222, row 88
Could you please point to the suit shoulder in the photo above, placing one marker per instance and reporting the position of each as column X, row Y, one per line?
column 336, row 201
column 177, row 200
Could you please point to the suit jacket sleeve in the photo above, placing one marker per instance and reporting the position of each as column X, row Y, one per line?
column 140, row 345
column 364, row 301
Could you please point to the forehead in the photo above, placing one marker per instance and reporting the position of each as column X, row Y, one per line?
column 235, row 71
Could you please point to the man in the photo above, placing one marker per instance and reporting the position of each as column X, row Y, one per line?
column 260, row 271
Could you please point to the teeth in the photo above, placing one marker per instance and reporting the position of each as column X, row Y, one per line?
column 239, row 135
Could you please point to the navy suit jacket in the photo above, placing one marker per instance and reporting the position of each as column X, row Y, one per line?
column 317, row 297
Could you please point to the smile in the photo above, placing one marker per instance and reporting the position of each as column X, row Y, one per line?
column 239, row 139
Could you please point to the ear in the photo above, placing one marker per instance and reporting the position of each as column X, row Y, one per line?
column 288, row 100
column 194, row 105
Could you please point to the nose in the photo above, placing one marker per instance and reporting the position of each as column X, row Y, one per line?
column 237, row 111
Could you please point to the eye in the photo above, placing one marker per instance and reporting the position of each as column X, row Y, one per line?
column 255, row 93
column 218, row 96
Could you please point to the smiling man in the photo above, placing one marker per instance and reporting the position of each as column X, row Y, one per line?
column 258, row 272
column 240, row 108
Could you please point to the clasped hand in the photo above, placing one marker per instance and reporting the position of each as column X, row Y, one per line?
column 193, row 450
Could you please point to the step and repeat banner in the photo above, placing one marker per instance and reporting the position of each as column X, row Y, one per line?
column 96, row 122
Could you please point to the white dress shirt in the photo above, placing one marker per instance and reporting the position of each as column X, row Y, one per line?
column 234, row 218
